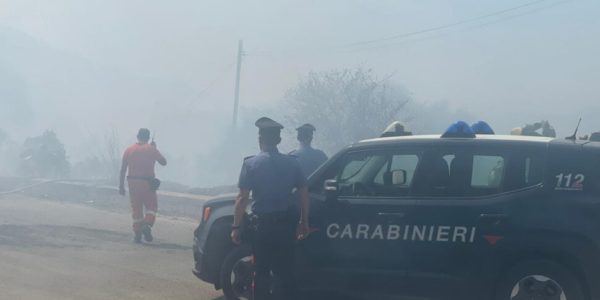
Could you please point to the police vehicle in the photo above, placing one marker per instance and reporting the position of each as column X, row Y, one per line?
column 461, row 216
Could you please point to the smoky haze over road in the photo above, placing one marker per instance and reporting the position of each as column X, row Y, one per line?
column 57, row 250
column 88, row 68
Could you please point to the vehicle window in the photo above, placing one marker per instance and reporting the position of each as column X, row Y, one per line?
column 377, row 174
column 460, row 174
column 524, row 170
column 406, row 162
column 488, row 171
column 353, row 168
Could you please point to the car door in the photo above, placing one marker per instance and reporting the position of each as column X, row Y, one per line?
column 464, row 216
column 357, row 238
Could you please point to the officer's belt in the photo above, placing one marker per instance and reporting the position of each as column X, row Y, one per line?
column 273, row 217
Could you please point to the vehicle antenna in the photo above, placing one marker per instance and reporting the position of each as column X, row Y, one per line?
column 574, row 136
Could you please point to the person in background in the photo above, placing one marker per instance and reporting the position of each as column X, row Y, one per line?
column 138, row 164
column 308, row 157
column 533, row 129
column 395, row 129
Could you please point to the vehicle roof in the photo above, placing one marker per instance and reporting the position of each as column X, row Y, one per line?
column 480, row 138
column 438, row 138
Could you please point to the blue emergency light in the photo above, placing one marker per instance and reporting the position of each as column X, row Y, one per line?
column 482, row 127
column 459, row 129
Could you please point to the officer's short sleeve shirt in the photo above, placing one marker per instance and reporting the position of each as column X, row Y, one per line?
column 271, row 176
column 309, row 159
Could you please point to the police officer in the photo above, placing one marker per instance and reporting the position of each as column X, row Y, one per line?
column 308, row 157
column 271, row 176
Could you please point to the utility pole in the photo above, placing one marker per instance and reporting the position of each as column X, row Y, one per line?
column 236, row 100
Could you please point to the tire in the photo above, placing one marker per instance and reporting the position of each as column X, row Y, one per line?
column 543, row 280
column 240, row 259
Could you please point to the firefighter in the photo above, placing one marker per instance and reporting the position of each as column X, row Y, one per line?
column 308, row 157
column 271, row 176
column 138, row 164
column 533, row 129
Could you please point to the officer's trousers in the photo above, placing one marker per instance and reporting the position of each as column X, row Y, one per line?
column 273, row 245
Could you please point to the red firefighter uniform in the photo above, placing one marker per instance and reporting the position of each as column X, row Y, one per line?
column 140, row 159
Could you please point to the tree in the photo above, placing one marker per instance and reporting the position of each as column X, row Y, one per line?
column 44, row 156
column 112, row 158
column 345, row 105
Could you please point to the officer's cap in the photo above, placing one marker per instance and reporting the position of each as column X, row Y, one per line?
column 306, row 128
column 265, row 125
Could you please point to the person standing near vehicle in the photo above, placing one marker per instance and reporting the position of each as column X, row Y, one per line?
column 271, row 177
column 138, row 164
column 308, row 157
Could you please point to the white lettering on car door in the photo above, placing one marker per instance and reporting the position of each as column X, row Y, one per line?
column 333, row 230
column 377, row 233
column 347, row 232
column 461, row 232
column 362, row 231
column 442, row 233
column 417, row 233
column 393, row 232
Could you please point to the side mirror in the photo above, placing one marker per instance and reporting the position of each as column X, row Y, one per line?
column 330, row 185
column 399, row 177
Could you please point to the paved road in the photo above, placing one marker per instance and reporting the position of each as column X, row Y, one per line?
column 59, row 250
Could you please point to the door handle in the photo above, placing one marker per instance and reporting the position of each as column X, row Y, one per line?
column 494, row 219
column 393, row 214
column 493, row 216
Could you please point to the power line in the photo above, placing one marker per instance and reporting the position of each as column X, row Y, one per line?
column 442, row 27
column 356, row 46
column 474, row 27
column 219, row 77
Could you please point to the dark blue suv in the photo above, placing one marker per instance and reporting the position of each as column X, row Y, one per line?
column 485, row 217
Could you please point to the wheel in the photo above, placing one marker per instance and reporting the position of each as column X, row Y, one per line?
column 236, row 274
column 540, row 280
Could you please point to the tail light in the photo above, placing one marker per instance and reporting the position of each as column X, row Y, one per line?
column 206, row 214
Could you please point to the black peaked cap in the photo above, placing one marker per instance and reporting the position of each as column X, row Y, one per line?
column 265, row 123
column 307, row 127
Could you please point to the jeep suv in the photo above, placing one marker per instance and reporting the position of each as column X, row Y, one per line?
column 484, row 217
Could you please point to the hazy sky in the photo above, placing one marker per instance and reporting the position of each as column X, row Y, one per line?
column 537, row 61
column 543, row 53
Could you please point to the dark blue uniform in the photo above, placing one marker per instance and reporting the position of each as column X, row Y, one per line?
column 271, row 176
column 309, row 158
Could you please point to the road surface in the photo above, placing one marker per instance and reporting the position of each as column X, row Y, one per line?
column 61, row 250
